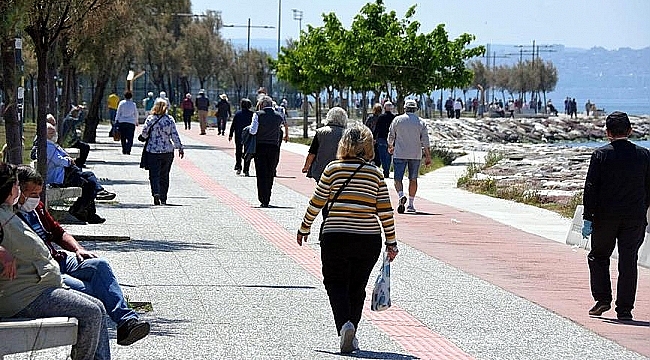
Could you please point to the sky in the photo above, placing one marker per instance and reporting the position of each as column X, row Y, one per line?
column 610, row 24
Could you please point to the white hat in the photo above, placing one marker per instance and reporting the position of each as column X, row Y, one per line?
column 163, row 94
column 410, row 103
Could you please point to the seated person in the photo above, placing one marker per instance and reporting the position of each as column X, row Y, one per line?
column 70, row 138
column 82, row 270
column 61, row 171
column 30, row 279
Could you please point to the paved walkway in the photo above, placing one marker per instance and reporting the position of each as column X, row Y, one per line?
column 476, row 277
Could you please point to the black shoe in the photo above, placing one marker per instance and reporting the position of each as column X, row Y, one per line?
column 156, row 199
column 599, row 308
column 263, row 205
column 105, row 195
column 163, row 202
column 79, row 215
column 95, row 219
column 131, row 331
column 624, row 315
column 247, row 174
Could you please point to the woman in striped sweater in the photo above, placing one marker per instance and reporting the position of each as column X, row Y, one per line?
column 351, row 235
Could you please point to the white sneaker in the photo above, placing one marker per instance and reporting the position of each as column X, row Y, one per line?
column 347, row 338
column 411, row 209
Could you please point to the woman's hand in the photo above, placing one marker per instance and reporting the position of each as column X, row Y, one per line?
column 181, row 153
column 392, row 251
column 300, row 238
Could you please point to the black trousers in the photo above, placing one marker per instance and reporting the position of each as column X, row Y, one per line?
column 159, row 167
column 187, row 118
column 239, row 155
column 84, row 149
column 267, row 157
column 348, row 260
column 126, row 137
column 630, row 235
column 89, row 185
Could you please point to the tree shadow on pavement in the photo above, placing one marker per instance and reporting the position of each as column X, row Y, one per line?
column 207, row 147
column 154, row 245
column 626, row 322
column 366, row 354
column 123, row 182
column 117, row 163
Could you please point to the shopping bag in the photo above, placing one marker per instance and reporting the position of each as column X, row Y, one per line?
column 381, row 293
column 116, row 132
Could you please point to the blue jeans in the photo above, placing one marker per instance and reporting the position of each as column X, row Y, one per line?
column 159, row 167
column 92, row 334
column 384, row 156
column 96, row 278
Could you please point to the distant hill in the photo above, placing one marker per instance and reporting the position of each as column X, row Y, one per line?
column 613, row 79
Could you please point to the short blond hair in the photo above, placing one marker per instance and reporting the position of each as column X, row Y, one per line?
column 159, row 107
column 356, row 142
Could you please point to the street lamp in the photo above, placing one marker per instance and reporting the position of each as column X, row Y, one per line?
column 248, row 41
column 297, row 15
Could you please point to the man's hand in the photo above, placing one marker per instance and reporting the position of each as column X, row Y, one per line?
column 427, row 160
column 391, row 149
column 587, row 229
column 83, row 254
column 8, row 264
column 286, row 138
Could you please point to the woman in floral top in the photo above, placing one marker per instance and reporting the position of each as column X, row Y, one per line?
column 160, row 131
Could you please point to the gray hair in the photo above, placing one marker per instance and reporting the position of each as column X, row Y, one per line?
column 266, row 101
column 337, row 116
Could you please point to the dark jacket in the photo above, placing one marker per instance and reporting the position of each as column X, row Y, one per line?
column 202, row 103
column 618, row 182
column 242, row 119
column 223, row 109
column 268, row 130
column 383, row 124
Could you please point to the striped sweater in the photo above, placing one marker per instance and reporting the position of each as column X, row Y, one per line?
column 360, row 204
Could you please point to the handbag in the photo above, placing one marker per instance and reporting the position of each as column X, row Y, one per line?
column 116, row 132
column 325, row 212
column 381, row 292
column 144, row 158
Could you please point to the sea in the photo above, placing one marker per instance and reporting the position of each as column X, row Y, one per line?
column 634, row 101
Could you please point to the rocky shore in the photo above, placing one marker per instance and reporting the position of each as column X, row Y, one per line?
column 533, row 150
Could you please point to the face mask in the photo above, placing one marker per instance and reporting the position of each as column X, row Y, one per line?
column 17, row 197
column 55, row 138
column 30, row 204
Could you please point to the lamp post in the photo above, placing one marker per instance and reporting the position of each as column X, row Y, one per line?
column 297, row 15
column 248, row 42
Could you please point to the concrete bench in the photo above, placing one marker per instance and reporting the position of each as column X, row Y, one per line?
column 25, row 335
column 59, row 194
column 574, row 237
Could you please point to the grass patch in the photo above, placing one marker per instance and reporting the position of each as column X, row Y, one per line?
column 300, row 140
column 29, row 132
column 520, row 193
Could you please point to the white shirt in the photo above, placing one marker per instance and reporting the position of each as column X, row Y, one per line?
column 127, row 112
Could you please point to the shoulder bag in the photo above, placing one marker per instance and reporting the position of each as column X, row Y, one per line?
column 144, row 159
column 328, row 205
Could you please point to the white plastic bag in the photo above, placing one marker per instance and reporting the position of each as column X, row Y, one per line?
column 381, row 292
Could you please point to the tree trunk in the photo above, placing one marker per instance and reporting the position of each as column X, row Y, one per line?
column 93, row 118
column 364, row 106
column 14, row 149
column 42, row 84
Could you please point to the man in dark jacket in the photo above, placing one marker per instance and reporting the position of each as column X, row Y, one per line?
column 616, row 199
column 266, row 126
column 381, row 136
column 202, row 104
column 223, row 113
column 242, row 118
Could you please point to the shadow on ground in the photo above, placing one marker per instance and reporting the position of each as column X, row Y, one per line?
column 153, row 245
column 366, row 354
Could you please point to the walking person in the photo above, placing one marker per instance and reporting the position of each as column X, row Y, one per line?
column 126, row 120
column 371, row 123
column 616, row 199
column 350, row 238
column 381, row 136
column 266, row 126
column 160, row 131
column 202, row 105
column 242, row 118
column 31, row 285
column 188, row 110
column 407, row 137
column 112, row 102
column 325, row 143
column 223, row 113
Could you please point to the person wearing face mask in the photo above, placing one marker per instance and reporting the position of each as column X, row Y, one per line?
column 82, row 270
column 32, row 286
column 62, row 171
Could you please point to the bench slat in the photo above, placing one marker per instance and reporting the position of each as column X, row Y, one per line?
column 23, row 335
